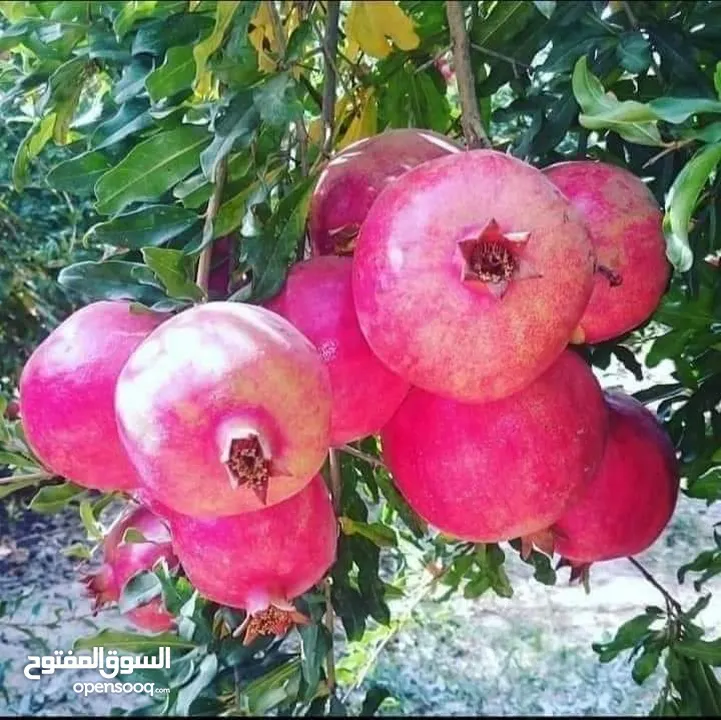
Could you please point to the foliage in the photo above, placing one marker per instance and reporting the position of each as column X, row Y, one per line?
column 190, row 121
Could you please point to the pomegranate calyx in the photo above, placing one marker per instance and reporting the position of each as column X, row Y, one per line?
column 580, row 572
column 344, row 238
column 543, row 540
column 494, row 259
column 274, row 620
column 248, row 464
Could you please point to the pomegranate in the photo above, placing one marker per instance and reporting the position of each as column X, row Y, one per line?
column 66, row 394
column 470, row 274
column 224, row 409
column 260, row 561
column 504, row 469
column 123, row 560
column 353, row 178
column 12, row 411
column 624, row 222
column 318, row 299
column 632, row 496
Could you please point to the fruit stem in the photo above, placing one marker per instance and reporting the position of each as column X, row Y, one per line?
column 470, row 113
column 203, row 272
column 647, row 575
column 26, row 478
column 330, row 49
column 371, row 459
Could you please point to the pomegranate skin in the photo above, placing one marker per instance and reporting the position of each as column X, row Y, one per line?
column 67, row 389
column 503, row 469
column 121, row 561
column 624, row 222
column 352, row 180
column 432, row 318
column 632, row 496
column 262, row 558
column 318, row 299
column 217, row 381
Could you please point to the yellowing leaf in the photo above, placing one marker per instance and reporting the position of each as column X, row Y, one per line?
column 223, row 15
column 370, row 26
column 363, row 125
column 263, row 37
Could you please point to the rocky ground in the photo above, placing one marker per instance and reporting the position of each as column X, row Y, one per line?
column 527, row 655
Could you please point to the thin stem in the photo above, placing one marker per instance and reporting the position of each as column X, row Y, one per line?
column 334, row 478
column 330, row 625
column 433, row 60
column 372, row 459
column 668, row 149
column 330, row 46
column 647, row 575
column 203, row 273
column 473, row 130
column 26, row 478
column 500, row 56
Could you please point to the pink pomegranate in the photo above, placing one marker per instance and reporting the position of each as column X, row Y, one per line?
column 260, row 561
column 66, row 394
column 470, row 274
column 224, row 409
column 353, row 178
column 318, row 299
column 624, row 221
column 123, row 560
column 632, row 496
column 503, row 469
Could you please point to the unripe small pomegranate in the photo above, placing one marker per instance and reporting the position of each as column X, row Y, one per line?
column 123, row 560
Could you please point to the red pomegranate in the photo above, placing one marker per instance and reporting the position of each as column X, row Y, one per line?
column 353, row 178
column 470, row 274
column 224, row 409
column 66, row 394
column 632, row 496
column 624, row 222
column 318, row 299
column 123, row 560
column 12, row 411
column 503, row 469
column 260, row 561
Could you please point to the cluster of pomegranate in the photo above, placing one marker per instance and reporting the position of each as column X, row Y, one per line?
column 436, row 311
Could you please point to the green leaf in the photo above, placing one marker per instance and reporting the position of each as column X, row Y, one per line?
column 269, row 254
column 373, row 700
column 187, row 694
column 8, row 488
column 40, row 132
column 677, row 110
column 80, row 173
column 150, row 226
column 646, row 664
column 634, row 52
column 377, row 533
column 132, row 80
column 276, row 100
column 131, row 118
column 112, row 280
column 203, row 50
column 51, row 498
column 545, row 7
column 313, row 650
column 16, row 459
column 132, row 642
column 681, row 203
column 151, row 168
column 133, row 535
column 90, row 523
column 707, row 651
column 172, row 268
column 139, row 590
column 77, row 550
column 632, row 120
column 627, row 636
column 131, row 13
column 181, row 29
column 234, row 129
column 174, row 75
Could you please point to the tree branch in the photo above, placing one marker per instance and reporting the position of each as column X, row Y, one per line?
column 647, row 575
column 372, row 459
column 330, row 48
column 473, row 130
column 204, row 261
